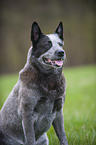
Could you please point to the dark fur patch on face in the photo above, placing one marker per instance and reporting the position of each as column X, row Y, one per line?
column 43, row 46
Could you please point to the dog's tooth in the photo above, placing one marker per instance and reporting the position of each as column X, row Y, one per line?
column 49, row 60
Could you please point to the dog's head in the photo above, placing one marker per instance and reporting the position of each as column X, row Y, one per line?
column 47, row 51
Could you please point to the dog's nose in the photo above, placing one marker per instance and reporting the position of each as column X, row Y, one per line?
column 60, row 53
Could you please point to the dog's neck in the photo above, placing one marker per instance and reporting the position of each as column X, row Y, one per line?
column 48, row 82
column 43, row 76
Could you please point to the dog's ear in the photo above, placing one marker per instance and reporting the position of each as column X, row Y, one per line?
column 35, row 33
column 59, row 30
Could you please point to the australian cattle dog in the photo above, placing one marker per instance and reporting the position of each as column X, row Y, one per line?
column 36, row 101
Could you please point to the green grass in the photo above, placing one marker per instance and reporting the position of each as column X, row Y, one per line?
column 79, row 107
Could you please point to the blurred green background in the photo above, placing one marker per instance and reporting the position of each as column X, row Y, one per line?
column 79, row 20
column 16, row 17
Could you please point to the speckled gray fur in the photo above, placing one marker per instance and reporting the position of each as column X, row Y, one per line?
column 36, row 101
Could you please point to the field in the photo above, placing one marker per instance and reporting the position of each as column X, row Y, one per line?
column 79, row 107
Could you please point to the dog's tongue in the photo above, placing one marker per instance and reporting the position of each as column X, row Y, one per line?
column 59, row 62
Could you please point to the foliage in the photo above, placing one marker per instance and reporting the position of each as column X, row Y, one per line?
column 79, row 108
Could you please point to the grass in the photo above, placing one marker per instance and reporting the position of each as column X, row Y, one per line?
column 79, row 107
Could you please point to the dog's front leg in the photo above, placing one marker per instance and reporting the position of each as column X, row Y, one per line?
column 27, row 110
column 58, row 125
column 28, row 128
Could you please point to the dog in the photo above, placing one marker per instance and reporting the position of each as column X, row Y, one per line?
column 36, row 101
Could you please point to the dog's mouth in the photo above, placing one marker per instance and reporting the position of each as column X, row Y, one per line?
column 56, row 63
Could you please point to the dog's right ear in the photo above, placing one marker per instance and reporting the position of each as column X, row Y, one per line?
column 35, row 33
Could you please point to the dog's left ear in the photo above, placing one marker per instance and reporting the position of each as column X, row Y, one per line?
column 59, row 30
column 35, row 33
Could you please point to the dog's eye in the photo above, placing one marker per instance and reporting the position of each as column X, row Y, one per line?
column 50, row 43
column 47, row 44
column 60, row 44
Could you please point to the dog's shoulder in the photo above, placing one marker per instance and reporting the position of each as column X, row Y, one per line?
column 28, row 75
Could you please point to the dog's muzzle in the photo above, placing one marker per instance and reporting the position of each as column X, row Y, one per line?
column 58, row 59
column 60, row 53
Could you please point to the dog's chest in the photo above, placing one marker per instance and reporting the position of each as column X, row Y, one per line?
column 46, row 109
column 49, row 106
